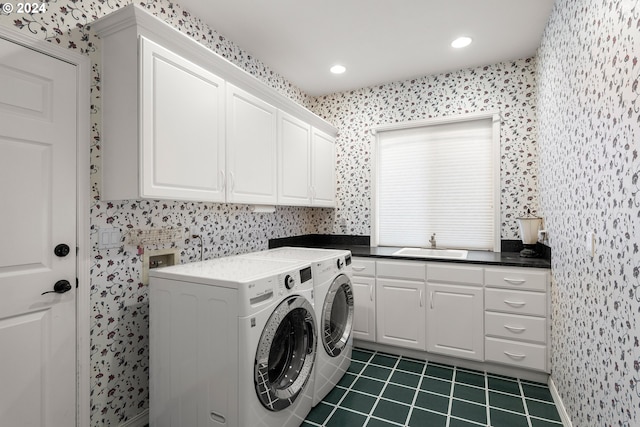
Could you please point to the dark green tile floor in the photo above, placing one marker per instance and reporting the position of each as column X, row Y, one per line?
column 385, row 390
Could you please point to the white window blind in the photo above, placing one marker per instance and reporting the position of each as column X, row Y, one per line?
column 438, row 179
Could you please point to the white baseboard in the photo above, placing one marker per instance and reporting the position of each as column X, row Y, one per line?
column 562, row 411
column 140, row 420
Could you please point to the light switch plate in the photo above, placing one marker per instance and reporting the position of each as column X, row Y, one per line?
column 109, row 238
column 591, row 243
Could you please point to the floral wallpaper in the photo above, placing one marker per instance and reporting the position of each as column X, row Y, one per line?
column 589, row 143
column 507, row 87
column 119, row 303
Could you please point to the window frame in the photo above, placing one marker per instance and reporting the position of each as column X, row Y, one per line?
column 494, row 116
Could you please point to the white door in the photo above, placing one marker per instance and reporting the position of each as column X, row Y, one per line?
column 38, row 213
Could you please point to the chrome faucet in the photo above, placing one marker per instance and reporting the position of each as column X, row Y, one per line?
column 433, row 241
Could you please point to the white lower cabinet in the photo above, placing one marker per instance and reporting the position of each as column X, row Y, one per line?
column 455, row 312
column 468, row 311
column 516, row 325
column 455, row 321
column 401, row 315
column 400, row 289
column 364, row 318
column 363, row 284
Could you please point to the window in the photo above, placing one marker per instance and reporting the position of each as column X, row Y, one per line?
column 438, row 176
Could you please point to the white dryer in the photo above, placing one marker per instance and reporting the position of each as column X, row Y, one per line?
column 332, row 276
column 232, row 343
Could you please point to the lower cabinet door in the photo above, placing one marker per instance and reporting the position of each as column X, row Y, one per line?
column 455, row 316
column 364, row 308
column 400, row 313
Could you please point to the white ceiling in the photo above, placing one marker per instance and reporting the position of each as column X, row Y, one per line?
column 379, row 41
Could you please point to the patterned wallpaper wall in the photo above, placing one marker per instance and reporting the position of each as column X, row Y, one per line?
column 589, row 141
column 119, row 304
column 507, row 87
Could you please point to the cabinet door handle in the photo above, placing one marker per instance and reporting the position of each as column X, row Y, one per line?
column 518, row 356
column 232, row 182
column 514, row 281
column 421, row 302
column 431, row 299
column 357, row 268
column 515, row 303
column 371, row 292
column 223, row 178
column 514, row 328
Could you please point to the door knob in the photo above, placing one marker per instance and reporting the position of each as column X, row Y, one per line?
column 61, row 250
column 60, row 287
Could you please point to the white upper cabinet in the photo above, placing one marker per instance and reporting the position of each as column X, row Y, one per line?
column 180, row 122
column 182, row 128
column 323, row 170
column 294, row 167
column 306, row 170
column 251, row 149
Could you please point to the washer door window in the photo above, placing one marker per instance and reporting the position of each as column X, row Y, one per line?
column 286, row 353
column 337, row 316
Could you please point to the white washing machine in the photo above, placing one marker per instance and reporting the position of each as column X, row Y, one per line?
column 232, row 343
column 332, row 275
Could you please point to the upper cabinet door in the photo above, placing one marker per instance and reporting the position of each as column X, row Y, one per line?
column 323, row 170
column 182, row 128
column 251, row 149
column 294, row 168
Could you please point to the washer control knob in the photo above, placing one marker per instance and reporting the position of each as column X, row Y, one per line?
column 289, row 281
column 340, row 263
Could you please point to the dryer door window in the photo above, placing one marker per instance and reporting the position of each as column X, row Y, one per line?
column 337, row 316
column 286, row 353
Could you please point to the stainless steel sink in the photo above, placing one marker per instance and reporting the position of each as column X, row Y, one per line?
column 432, row 253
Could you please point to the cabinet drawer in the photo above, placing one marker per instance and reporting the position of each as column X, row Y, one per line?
column 401, row 270
column 363, row 267
column 525, row 355
column 515, row 327
column 516, row 278
column 455, row 274
column 519, row 302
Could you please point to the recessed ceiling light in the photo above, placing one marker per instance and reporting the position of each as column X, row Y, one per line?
column 461, row 42
column 338, row 69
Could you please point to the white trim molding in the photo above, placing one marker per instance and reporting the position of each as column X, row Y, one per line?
column 562, row 411
column 140, row 420
column 83, row 66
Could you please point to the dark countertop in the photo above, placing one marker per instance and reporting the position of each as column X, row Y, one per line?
column 359, row 247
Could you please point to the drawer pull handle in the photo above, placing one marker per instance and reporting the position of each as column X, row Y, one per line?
column 515, row 303
column 515, row 328
column 515, row 355
column 514, row 281
column 356, row 268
